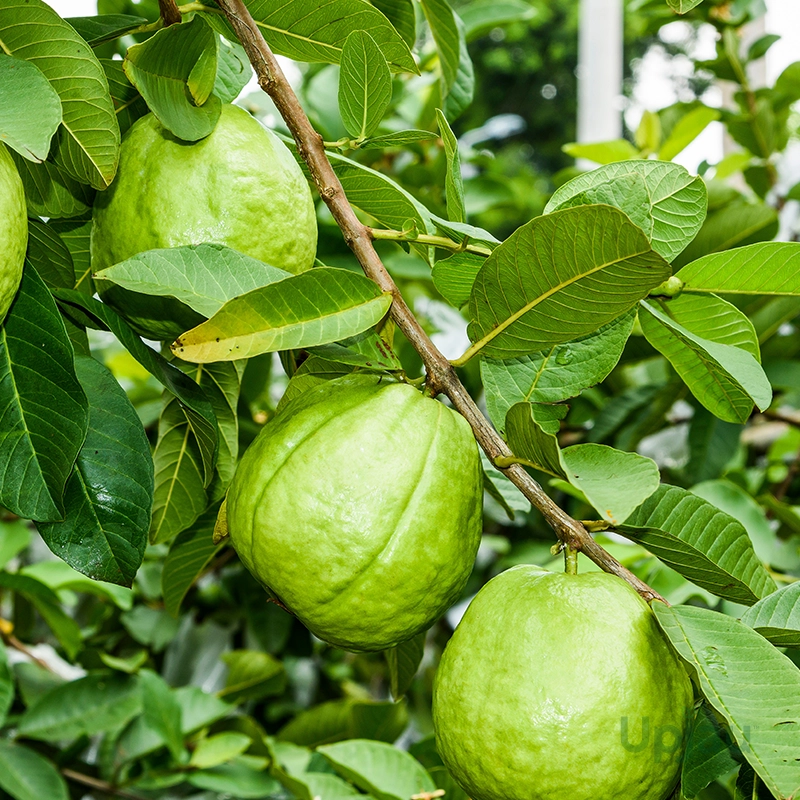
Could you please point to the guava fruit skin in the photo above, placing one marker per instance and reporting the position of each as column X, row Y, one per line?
column 239, row 187
column 13, row 230
column 359, row 506
column 545, row 688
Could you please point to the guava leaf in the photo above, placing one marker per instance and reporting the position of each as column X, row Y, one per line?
column 614, row 482
column 49, row 256
column 454, row 184
column 726, row 379
column 602, row 152
column 30, row 109
column 109, row 495
column 315, row 307
column 26, row 775
column 317, row 32
column 709, row 754
column 365, row 85
column 403, row 662
column 203, row 276
column 683, row 6
column 559, row 277
column 380, row 769
column 219, row 749
column 777, row 616
column 233, row 71
column 763, row 268
column 701, row 542
column 397, row 139
column 686, row 130
column 86, row 145
column 105, row 27
column 162, row 712
column 129, row 105
column 675, row 200
column 455, row 276
column 43, row 406
column 558, row 373
column 252, row 675
column 442, row 22
column 175, row 71
column 481, row 16
column 752, row 685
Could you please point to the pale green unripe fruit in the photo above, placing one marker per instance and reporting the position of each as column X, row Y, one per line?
column 561, row 687
column 359, row 506
column 239, row 187
column 13, row 230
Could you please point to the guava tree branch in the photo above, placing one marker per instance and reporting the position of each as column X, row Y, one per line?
column 441, row 376
column 169, row 12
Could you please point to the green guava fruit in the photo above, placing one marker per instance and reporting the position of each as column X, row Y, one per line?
column 359, row 506
column 561, row 687
column 13, row 230
column 240, row 187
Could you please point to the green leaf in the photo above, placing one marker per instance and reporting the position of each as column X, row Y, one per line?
column 86, row 144
column 6, row 686
column 686, row 130
column 317, row 32
column 175, row 71
column 753, row 686
column 766, row 268
column 602, row 152
column 30, row 109
column 109, row 495
column 43, row 407
column 236, row 780
column 252, row 675
column 162, row 713
column 129, row 105
column 151, row 627
column 193, row 400
column 50, row 192
column 558, row 373
column 712, row 445
column 203, row 276
column 315, row 307
column 233, row 71
column 312, row 372
column 397, row 139
column 47, row 603
column 702, row 543
column 463, row 88
column 188, row 557
column 25, row 775
column 442, row 22
column 218, row 749
column 777, row 616
column 49, row 256
column 709, row 754
column 105, row 27
column 403, row 661
column 683, row 6
column 482, row 16
column 365, row 85
column 560, row 277
column 455, row 276
column 613, row 481
column 381, row 770
column 15, row 536
column 75, row 234
column 346, row 719
column 675, row 201
column 454, row 184
column 60, row 576
column 95, row 704
column 179, row 496
column 402, row 15
column 737, row 224
column 726, row 379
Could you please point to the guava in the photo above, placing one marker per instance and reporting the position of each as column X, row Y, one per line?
column 239, row 187
column 13, row 230
column 359, row 507
column 561, row 687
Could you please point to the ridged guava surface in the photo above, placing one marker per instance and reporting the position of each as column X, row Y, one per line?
column 239, row 187
column 561, row 687
column 13, row 230
column 359, row 505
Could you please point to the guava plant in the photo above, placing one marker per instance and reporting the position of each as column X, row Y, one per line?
column 178, row 297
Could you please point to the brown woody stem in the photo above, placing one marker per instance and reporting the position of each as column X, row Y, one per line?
column 169, row 11
column 441, row 376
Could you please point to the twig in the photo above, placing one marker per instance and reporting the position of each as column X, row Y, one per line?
column 442, row 377
column 99, row 785
column 169, row 12
column 426, row 238
column 12, row 641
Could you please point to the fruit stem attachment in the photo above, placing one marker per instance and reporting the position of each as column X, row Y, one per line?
column 441, row 376
column 570, row 560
